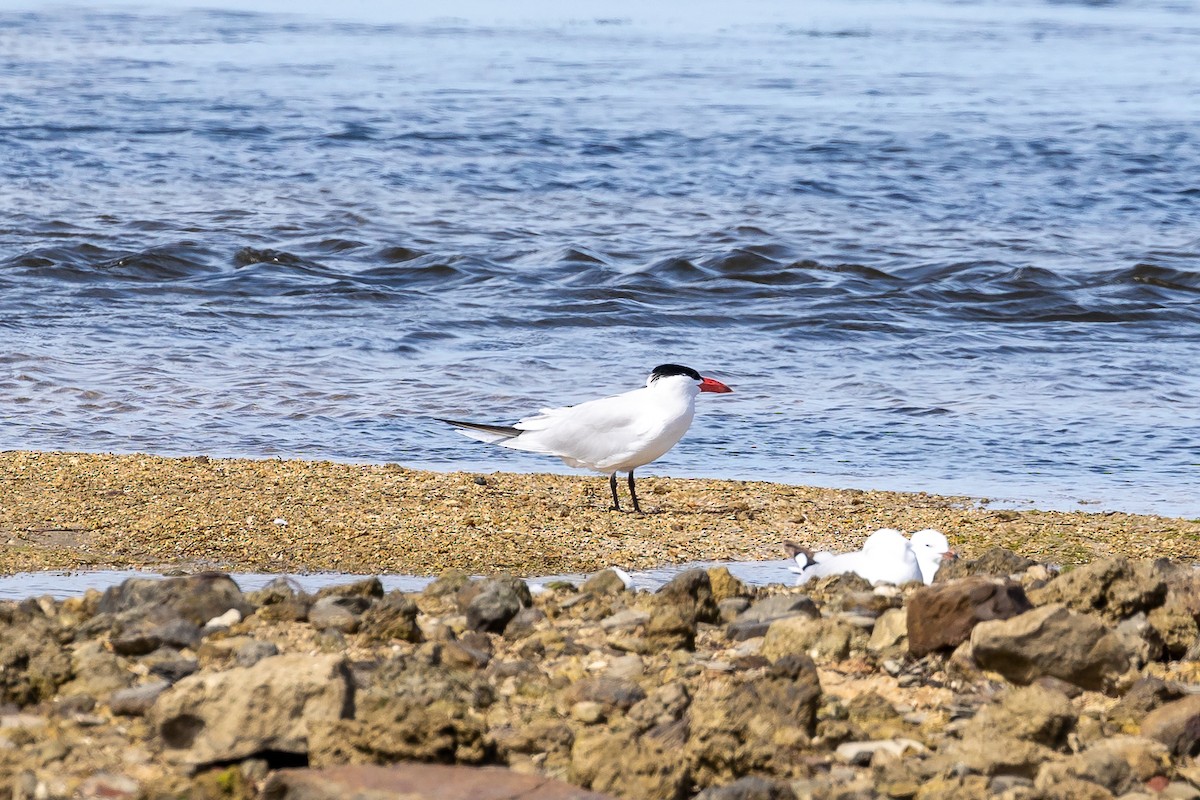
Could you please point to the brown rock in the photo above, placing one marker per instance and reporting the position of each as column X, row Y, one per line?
column 108, row 786
column 872, row 717
column 1175, row 622
column 33, row 661
column 995, row 562
column 691, row 592
column 411, row 711
column 1115, row 588
column 418, row 782
column 1054, row 641
column 998, row 755
column 606, row 581
column 725, row 585
column 1120, row 764
column 622, row 763
column 370, row 588
column 942, row 616
column 824, row 639
column 1074, row 789
column 1177, row 725
column 739, row 726
column 1033, row 713
column 610, row 692
column 273, row 706
column 671, row 627
column 1145, row 695
column 393, row 617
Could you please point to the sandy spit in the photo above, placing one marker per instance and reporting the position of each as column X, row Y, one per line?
column 76, row 510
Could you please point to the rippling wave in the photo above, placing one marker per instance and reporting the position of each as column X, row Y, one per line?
column 253, row 234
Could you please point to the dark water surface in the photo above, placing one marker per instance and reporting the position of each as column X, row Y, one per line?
column 940, row 246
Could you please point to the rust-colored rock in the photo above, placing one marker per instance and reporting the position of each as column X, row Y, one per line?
column 942, row 616
column 418, row 782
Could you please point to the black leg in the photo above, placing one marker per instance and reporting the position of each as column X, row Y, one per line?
column 632, row 492
column 612, row 484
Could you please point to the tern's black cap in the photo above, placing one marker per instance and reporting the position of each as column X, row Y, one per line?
column 667, row 370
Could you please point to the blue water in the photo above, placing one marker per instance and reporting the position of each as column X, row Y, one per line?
column 940, row 246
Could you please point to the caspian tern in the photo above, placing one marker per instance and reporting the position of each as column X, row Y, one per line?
column 886, row 557
column 612, row 434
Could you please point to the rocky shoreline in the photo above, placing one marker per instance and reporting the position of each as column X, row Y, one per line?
column 1002, row 679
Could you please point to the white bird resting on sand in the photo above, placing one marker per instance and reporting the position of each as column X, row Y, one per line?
column 886, row 557
column 612, row 434
column 931, row 548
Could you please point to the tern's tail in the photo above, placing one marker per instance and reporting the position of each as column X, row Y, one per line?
column 492, row 434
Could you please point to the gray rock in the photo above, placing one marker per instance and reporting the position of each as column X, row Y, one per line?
column 196, row 598
column 627, row 619
column 98, row 672
column 751, row 787
column 942, row 616
column 1054, row 641
column 281, row 600
column 140, row 635
column 254, row 651
column 338, row 612
column 606, row 581
column 890, row 631
column 861, row 753
column 498, row 600
column 732, row 607
column 691, row 592
column 271, row 707
column 610, row 692
column 369, row 588
column 524, row 623
column 168, row 664
column 1141, row 639
column 393, row 617
column 756, row 619
column 782, row 605
column 136, row 701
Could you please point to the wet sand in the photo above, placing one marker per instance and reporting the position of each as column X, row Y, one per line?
column 78, row 511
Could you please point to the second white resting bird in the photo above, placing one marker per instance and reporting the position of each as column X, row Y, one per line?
column 931, row 548
column 886, row 557
column 612, row 434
